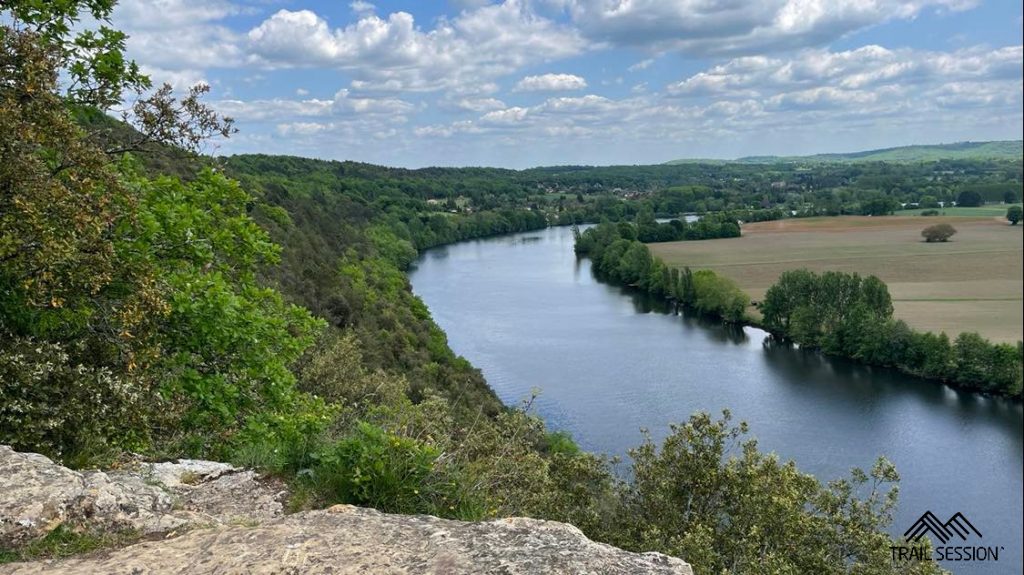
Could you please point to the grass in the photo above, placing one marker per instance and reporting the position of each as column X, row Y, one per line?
column 65, row 542
column 972, row 283
column 987, row 211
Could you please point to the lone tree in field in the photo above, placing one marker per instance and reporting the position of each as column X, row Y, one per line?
column 938, row 233
column 1013, row 214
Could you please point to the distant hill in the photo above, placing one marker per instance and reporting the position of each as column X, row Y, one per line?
column 1007, row 149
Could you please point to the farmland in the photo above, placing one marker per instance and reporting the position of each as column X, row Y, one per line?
column 991, row 210
column 972, row 283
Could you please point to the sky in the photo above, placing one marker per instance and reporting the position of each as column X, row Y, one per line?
column 523, row 83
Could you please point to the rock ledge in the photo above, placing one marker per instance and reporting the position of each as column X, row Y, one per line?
column 236, row 526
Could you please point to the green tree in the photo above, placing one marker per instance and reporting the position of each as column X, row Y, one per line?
column 65, row 286
column 969, row 199
column 708, row 494
column 938, row 233
column 1013, row 214
column 143, row 295
column 227, row 342
column 783, row 298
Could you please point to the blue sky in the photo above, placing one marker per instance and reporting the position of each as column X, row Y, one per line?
column 522, row 83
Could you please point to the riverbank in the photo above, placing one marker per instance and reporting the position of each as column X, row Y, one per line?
column 838, row 313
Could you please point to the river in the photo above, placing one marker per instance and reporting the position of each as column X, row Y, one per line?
column 609, row 362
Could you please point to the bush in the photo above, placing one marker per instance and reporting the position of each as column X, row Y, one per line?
column 930, row 213
column 1013, row 215
column 938, row 233
column 378, row 469
column 54, row 403
column 285, row 441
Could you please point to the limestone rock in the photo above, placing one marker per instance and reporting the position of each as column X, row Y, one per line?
column 349, row 540
column 37, row 495
column 203, row 517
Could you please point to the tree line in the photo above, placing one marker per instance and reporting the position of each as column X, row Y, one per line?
column 618, row 256
column 850, row 316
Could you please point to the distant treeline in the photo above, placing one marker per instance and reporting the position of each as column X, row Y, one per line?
column 706, row 228
column 584, row 194
column 840, row 314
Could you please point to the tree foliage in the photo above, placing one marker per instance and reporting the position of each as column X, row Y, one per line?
column 709, row 494
column 850, row 316
column 1013, row 215
column 627, row 261
column 969, row 199
column 130, row 314
column 938, row 233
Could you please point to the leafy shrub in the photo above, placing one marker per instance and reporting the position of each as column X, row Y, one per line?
column 287, row 441
column 53, row 402
column 930, row 212
column 335, row 370
column 938, row 233
column 1013, row 214
column 561, row 442
column 379, row 469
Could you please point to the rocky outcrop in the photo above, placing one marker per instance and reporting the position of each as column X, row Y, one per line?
column 351, row 540
column 37, row 495
column 237, row 527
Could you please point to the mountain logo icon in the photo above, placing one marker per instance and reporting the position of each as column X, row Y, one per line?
column 957, row 526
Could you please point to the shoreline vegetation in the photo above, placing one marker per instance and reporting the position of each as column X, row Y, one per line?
column 836, row 313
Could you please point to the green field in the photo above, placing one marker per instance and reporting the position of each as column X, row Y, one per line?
column 972, row 283
column 989, row 211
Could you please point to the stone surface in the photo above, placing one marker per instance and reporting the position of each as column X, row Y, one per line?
column 351, row 540
column 201, row 517
column 37, row 495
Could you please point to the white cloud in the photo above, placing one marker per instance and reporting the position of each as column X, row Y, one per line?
column 158, row 15
column 641, row 65
column 342, row 104
column 709, row 27
column 178, row 79
column 506, row 116
column 178, row 41
column 393, row 53
column 812, row 95
column 474, row 104
column 550, row 83
column 824, row 76
column 361, row 7
column 768, row 74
